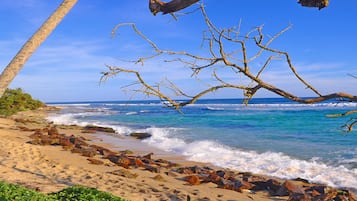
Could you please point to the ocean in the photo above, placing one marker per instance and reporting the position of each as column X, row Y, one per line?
column 272, row 136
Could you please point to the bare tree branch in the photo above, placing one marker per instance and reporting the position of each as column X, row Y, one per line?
column 227, row 49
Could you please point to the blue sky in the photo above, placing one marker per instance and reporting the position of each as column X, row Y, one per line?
column 67, row 66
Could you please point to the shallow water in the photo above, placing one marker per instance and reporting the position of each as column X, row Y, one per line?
column 269, row 136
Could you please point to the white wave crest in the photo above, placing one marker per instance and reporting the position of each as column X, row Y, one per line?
column 268, row 163
column 72, row 119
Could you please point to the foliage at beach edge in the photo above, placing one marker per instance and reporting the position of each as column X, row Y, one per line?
column 16, row 100
column 76, row 193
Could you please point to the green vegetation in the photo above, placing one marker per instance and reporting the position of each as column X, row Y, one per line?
column 15, row 100
column 18, row 193
column 83, row 193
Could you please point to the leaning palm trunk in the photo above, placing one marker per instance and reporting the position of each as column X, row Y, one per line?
column 16, row 64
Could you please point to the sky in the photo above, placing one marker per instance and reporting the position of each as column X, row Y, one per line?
column 68, row 65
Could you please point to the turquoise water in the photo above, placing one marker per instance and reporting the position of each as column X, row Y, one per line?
column 269, row 136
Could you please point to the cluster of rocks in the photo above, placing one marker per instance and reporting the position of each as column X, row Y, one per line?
column 298, row 189
column 51, row 136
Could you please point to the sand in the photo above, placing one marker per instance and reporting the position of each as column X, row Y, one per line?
column 51, row 168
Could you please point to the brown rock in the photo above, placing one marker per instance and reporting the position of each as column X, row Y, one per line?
column 113, row 158
column 246, row 185
column 230, row 185
column 53, row 131
column 124, row 162
column 299, row 197
column 289, row 188
column 214, row 178
column 193, row 180
column 148, row 156
column 66, row 144
column 95, row 161
column 106, row 153
column 76, row 150
column 152, row 168
column 88, row 152
column 138, row 163
column 272, row 186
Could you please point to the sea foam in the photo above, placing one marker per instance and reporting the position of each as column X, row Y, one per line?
column 268, row 163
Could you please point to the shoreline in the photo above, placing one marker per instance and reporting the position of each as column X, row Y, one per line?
column 50, row 168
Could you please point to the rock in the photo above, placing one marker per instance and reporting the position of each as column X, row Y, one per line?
column 299, row 197
column 148, row 156
column 230, row 185
column 140, row 136
column 113, row 158
column 124, row 162
column 98, row 128
column 53, row 131
column 66, row 144
column 221, row 173
column 246, row 185
column 120, row 160
column 214, row 178
column 284, row 191
column 192, row 179
column 95, row 161
column 137, row 162
column 151, row 168
column 88, row 152
column 76, row 150
column 272, row 186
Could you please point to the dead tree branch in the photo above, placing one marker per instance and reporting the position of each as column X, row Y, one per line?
column 227, row 49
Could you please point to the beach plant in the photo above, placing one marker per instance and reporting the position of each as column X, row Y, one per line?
column 15, row 100
column 79, row 193
column 18, row 193
column 10, row 192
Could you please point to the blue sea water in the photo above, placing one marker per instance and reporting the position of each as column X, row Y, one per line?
column 269, row 136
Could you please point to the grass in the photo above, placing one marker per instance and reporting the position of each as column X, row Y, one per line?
column 10, row 192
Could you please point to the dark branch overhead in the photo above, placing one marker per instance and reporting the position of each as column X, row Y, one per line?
column 157, row 6
column 314, row 3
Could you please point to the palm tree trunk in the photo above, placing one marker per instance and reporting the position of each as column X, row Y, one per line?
column 16, row 64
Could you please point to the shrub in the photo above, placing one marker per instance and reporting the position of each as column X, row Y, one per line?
column 79, row 193
column 15, row 100
column 10, row 192
column 18, row 193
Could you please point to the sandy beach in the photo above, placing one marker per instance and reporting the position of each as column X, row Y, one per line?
column 52, row 168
